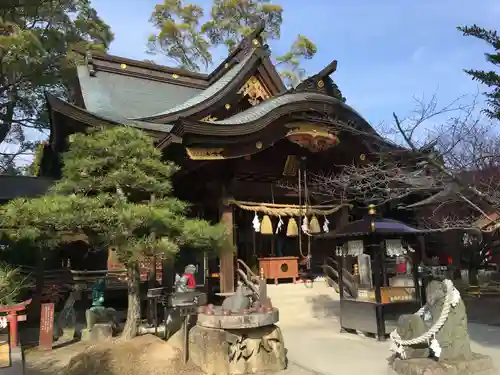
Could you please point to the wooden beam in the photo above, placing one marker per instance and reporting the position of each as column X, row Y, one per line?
column 226, row 256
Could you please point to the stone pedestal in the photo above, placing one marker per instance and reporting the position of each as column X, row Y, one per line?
column 478, row 365
column 100, row 332
column 236, row 352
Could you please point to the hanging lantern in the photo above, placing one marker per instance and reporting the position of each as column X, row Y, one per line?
column 292, row 230
column 314, row 225
column 266, row 226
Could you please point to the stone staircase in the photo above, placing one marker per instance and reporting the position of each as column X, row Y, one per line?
column 305, row 304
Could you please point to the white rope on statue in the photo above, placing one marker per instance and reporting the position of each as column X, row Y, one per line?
column 452, row 298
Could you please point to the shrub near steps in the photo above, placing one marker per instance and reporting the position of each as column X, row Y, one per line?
column 302, row 303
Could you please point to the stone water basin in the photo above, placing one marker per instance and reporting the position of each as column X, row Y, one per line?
column 215, row 317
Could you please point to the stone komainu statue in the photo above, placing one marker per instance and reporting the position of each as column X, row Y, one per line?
column 438, row 330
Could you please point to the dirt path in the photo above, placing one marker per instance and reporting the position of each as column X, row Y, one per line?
column 40, row 362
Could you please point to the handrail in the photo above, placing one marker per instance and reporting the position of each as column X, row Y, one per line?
column 249, row 273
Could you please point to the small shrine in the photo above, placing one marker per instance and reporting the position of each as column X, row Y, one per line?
column 387, row 278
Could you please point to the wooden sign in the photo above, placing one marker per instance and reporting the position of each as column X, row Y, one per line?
column 46, row 326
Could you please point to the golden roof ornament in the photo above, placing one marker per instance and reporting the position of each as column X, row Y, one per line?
column 123, row 66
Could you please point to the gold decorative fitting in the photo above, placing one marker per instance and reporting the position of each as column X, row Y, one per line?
column 227, row 106
column 362, row 157
column 256, row 42
column 209, row 118
column 371, row 209
column 312, row 136
column 255, row 91
column 205, row 153
column 258, row 145
column 123, row 66
column 291, row 166
column 321, row 84
column 175, row 76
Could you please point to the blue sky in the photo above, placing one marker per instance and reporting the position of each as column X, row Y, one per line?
column 388, row 50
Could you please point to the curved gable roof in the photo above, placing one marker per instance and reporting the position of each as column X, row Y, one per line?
column 211, row 92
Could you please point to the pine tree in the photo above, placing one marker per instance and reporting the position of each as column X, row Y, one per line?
column 489, row 78
column 35, row 57
column 185, row 39
column 116, row 191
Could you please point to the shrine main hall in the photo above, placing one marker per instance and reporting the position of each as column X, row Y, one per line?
column 242, row 139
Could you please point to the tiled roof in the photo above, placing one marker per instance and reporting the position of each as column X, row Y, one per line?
column 129, row 97
column 210, row 91
column 12, row 187
column 262, row 109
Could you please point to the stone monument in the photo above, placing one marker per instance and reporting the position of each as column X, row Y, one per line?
column 101, row 321
column 435, row 340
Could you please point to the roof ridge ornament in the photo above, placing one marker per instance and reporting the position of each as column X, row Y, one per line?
column 321, row 82
column 90, row 63
column 251, row 41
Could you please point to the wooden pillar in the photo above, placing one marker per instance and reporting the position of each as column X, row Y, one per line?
column 226, row 255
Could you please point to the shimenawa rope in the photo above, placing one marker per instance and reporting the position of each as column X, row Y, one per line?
column 451, row 300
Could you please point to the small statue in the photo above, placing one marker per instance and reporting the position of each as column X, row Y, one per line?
column 97, row 312
column 186, row 283
column 98, row 290
column 240, row 300
column 440, row 327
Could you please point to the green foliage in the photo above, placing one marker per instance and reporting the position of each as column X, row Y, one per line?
column 11, row 284
column 115, row 191
column 489, row 78
column 301, row 49
column 34, row 58
column 232, row 20
column 179, row 35
column 184, row 38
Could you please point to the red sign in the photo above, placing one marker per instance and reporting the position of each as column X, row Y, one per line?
column 46, row 326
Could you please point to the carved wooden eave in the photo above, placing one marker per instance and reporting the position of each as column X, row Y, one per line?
column 245, row 123
column 254, row 91
column 244, row 135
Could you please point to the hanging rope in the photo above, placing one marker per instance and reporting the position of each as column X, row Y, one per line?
column 300, row 213
column 307, row 201
column 286, row 209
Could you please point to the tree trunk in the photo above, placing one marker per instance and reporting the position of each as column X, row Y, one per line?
column 131, row 328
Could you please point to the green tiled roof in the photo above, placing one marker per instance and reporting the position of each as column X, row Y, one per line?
column 210, row 91
column 267, row 106
column 129, row 97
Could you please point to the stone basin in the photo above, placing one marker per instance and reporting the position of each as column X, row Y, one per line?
column 219, row 319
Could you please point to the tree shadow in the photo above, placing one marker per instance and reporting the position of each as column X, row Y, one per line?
column 323, row 306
